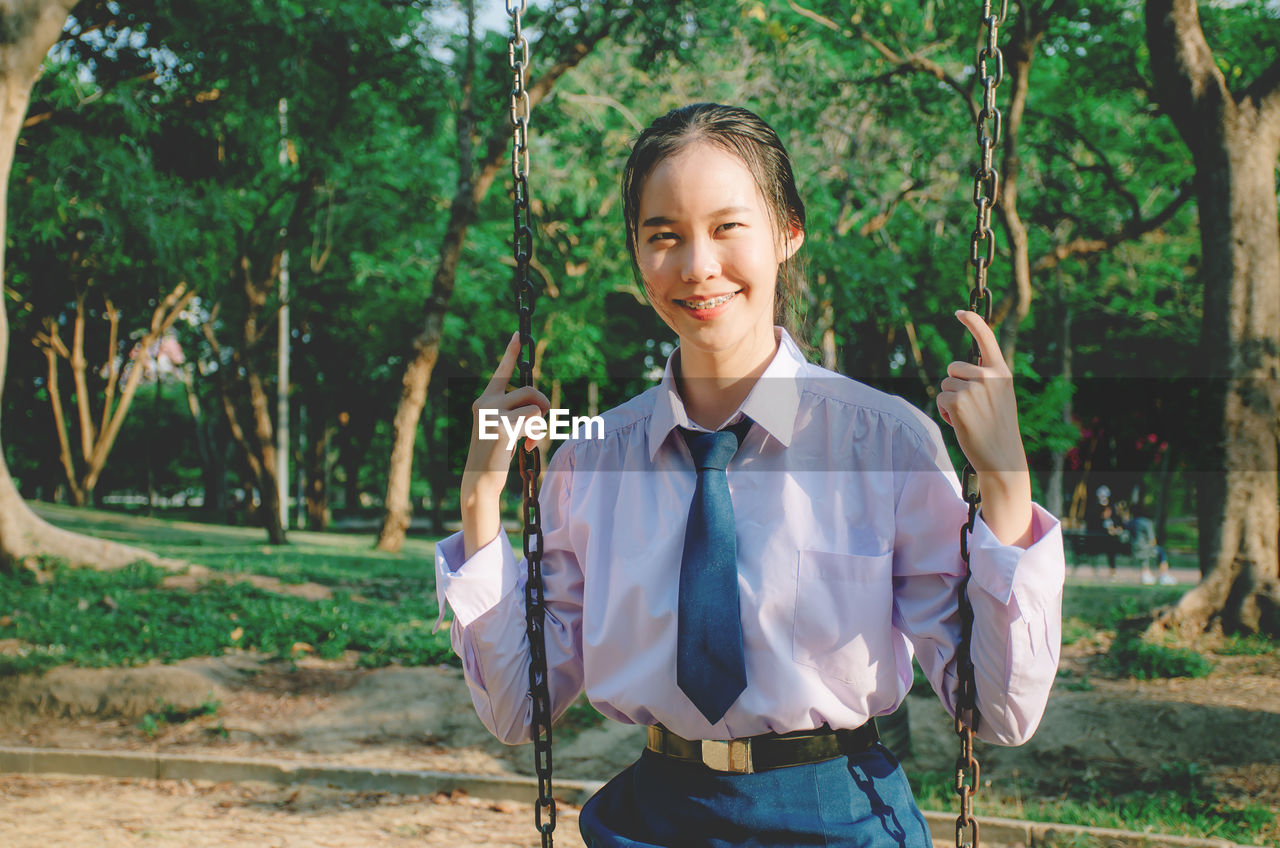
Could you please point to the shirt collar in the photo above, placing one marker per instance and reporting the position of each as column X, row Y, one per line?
column 773, row 403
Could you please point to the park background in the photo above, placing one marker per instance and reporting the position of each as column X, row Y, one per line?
column 194, row 184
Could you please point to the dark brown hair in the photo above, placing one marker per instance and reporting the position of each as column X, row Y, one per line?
column 745, row 135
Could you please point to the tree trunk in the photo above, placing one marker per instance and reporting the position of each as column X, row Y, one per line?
column 462, row 212
column 426, row 345
column 1234, row 140
column 28, row 28
column 204, row 447
column 1019, row 54
column 254, row 434
column 438, row 477
column 355, row 434
column 1054, row 491
column 413, row 396
column 317, row 456
column 264, row 442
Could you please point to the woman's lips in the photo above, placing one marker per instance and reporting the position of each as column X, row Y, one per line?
column 706, row 308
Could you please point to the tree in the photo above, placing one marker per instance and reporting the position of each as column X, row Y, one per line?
column 1232, row 128
column 28, row 28
column 217, row 76
column 97, row 437
column 567, row 40
column 105, row 232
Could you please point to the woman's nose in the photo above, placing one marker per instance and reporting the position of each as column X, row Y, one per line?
column 700, row 261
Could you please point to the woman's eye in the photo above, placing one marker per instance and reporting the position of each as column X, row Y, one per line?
column 657, row 237
column 731, row 225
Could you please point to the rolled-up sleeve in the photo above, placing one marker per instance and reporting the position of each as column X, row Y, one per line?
column 1016, row 596
column 487, row 596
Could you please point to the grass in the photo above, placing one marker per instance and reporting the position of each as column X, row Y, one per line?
column 1177, row 800
column 1096, row 606
column 383, row 606
column 169, row 714
column 121, row 618
column 1247, row 646
column 1110, row 614
column 1133, row 655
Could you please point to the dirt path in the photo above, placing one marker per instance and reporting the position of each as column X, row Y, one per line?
column 84, row 812
column 1120, row 732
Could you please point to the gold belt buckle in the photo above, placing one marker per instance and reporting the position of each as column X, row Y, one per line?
column 733, row 755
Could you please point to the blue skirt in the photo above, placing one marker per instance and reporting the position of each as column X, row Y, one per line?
column 859, row 801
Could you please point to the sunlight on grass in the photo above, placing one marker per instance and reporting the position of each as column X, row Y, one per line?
column 1179, row 801
column 383, row 605
column 175, row 536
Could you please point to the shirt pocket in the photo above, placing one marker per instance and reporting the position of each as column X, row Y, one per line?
column 843, row 617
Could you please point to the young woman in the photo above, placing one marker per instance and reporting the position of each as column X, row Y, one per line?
column 756, row 547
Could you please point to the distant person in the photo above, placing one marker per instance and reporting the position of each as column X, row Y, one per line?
column 1142, row 534
column 1107, row 528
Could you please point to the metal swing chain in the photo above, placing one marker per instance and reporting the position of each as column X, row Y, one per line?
column 982, row 252
column 544, row 811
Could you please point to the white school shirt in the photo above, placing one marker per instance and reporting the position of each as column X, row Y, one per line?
column 848, row 518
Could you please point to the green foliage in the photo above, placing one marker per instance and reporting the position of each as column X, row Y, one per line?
column 1096, row 612
column 1104, row 607
column 159, row 162
column 1075, row 629
column 919, row 683
column 32, row 659
column 1131, row 655
column 1177, row 799
column 578, row 717
column 125, row 617
column 1072, row 683
column 1254, row 645
column 167, row 713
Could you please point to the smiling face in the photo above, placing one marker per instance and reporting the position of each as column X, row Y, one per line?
column 708, row 251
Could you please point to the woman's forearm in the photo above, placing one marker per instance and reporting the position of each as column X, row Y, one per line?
column 481, row 516
column 1006, row 505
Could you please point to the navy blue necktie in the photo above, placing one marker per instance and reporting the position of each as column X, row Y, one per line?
column 710, row 668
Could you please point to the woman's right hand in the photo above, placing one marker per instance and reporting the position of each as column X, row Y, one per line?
column 489, row 460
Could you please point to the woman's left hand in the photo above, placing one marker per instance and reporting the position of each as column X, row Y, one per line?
column 978, row 402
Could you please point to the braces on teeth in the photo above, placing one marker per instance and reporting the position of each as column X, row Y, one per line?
column 708, row 304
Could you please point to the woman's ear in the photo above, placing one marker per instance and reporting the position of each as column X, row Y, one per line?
column 795, row 238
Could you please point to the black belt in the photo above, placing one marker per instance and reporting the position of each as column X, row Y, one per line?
column 764, row 752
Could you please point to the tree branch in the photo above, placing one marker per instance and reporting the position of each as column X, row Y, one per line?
column 113, row 370
column 162, row 318
column 1135, row 228
column 228, row 403
column 917, row 357
column 878, row 221
column 55, row 401
column 602, row 100
column 924, row 65
column 496, row 150
column 1104, row 165
column 814, row 16
column 79, row 366
column 911, row 62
